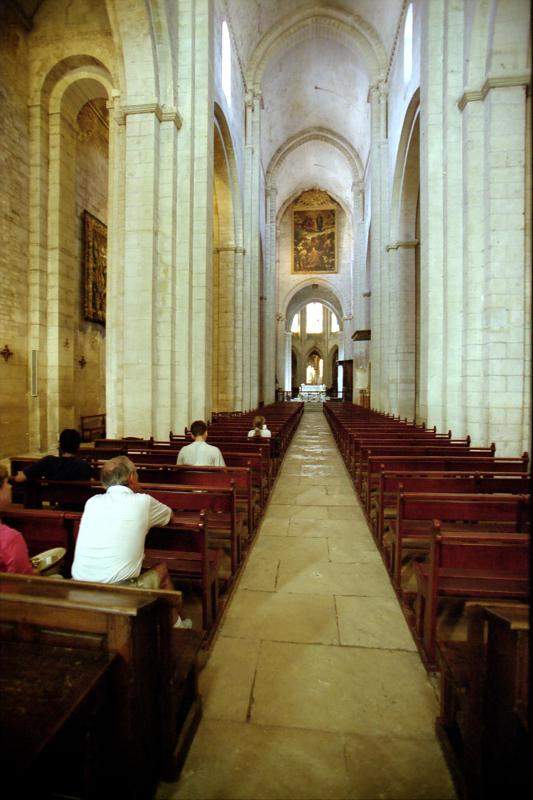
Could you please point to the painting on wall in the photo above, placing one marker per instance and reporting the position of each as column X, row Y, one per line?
column 314, row 247
column 94, row 268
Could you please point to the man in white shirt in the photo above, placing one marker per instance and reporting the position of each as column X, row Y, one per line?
column 199, row 453
column 110, row 544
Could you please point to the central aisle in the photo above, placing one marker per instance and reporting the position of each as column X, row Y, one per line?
column 314, row 688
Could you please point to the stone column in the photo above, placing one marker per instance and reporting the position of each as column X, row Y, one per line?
column 255, row 260
column 378, row 158
column 288, row 362
column 402, row 352
column 141, row 216
column 269, row 291
column 114, row 357
column 507, row 280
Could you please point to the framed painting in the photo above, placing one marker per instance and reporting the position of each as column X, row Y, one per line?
column 94, row 268
column 314, row 245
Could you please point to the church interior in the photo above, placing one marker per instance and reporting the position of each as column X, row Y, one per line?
column 306, row 224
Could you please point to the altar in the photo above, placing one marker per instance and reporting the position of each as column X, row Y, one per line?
column 313, row 392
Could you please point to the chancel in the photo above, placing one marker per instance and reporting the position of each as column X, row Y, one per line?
column 267, row 267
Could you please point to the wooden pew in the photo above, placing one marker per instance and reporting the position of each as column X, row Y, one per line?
column 416, row 512
column 42, row 530
column 183, row 546
column 451, row 464
column 467, row 565
column 483, row 720
column 219, row 506
column 157, row 707
column 383, row 505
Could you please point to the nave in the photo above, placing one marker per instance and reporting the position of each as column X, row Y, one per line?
column 314, row 688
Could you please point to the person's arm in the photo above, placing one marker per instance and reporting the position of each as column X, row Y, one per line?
column 219, row 461
column 32, row 471
column 266, row 433
column 181, row 457
column 19, row 559
column 158, row 513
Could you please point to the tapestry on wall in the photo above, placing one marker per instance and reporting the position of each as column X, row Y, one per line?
column 94, row 267
column 314, row 233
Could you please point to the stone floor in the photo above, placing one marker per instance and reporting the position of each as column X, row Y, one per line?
column 314, row 688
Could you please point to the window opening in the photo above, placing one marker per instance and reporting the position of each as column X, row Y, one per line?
column 408, row 45
column 315, row 318
column 335, row 328
column 295, row 327
column 226, row 62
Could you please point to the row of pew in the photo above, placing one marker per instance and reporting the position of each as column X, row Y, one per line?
column 451, row 522
column 99, row 690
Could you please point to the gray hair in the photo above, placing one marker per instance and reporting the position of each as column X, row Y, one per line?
column 117, row 471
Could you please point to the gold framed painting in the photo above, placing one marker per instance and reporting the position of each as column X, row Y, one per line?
column 314, row 240
column 94, row 268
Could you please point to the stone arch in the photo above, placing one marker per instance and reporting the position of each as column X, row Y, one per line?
column 63, row 91
column 227, row 272
column 132, row 25
column 315, row 134
column 349, row 29
column 404, row 178
column 311, row 290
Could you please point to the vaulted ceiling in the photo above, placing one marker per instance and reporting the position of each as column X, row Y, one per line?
column 313, row 81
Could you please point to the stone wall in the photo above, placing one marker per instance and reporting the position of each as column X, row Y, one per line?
column 14, row 222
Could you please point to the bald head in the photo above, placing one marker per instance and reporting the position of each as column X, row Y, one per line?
column 117, row 472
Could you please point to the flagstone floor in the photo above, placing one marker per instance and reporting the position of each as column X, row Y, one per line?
column 314, row 688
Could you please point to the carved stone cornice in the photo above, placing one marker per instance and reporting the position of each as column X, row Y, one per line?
column 402, row 245
column 492, row 82
column 163, row 113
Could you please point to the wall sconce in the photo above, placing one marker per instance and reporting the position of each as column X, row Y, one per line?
column 6, row 353
column 82, row 362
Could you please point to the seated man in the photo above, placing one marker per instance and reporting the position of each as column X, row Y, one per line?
column 199, row 453
column 13, row 549
column 64, row 467
column 110, row 544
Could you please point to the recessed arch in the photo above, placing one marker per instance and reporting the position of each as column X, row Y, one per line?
column 350, row 30
column 309, row 135
column 309, row 291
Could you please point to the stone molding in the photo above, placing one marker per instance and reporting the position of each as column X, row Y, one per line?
column 492, row 82
column 317, row 134
column 163, row 113
column 367, row 294
column 402, row 245
column 230, row 248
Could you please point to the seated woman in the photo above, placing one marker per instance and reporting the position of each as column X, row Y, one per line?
column 13, row 549
column 260, row 429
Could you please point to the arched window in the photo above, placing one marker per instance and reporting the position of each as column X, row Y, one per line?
column 334, row 323
column 226, row 62
column 315, row 318
column 295, row 327
column 408, row 45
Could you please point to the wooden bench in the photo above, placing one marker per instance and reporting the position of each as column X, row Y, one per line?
column 156, row 707
column 416, row 512
column 383, row 504
column 483, row 720
column 467, row 565
column 451, row 464
column 92, row 427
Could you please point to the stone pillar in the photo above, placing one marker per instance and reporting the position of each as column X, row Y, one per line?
column 507, row 281
column 61, row 294
column 38, row 143
column 269, row 292
column 255, row 259
column 378, row 158
column 441, row 223
column 115, row 271
column 288, row 362
column 141, row 215
column 401, row 258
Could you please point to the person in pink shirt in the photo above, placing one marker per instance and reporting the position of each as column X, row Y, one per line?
column 13, row 549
